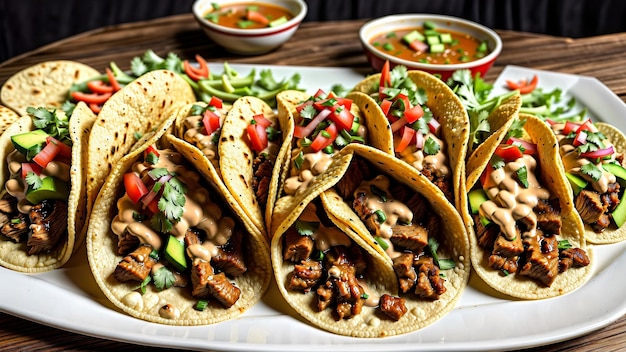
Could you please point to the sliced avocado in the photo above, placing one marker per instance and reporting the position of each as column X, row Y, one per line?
column 175, row 254
column 578, row 183
column 619, row 214
column 618, row 170
column 484, row 221
column 51, row 188
column 476, row 198
column 32, row 141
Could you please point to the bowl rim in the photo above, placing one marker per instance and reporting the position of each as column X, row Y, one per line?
column 256, row 32
column 439, row 18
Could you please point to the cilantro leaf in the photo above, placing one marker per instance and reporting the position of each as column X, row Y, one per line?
column 160, row 223
column 163, row 278
column 298, row 160
column 33, row 180
column 308, row 112
column 431, row 147
column 522, row 175
column 496, row 162
column 52, row 121
column 592, row 171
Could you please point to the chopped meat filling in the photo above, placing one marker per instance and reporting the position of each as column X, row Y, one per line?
column 429, row 284
column 542, row 259
column 305, row 275
column 357, row 172
column 297, row 247
column 48, row 224
column 229, row 258
column 262, row 167
column 443, row 183
column 411, row 237
column 16, row 227
column 136, row 266
column 393, row 307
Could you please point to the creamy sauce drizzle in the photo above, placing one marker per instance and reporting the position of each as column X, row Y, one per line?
column 573, row 162
column 199, row 212
column 420, row 160
column 509, row 200
column 394, row 210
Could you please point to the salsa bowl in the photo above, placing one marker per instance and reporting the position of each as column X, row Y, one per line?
column 249, row 41
column 400, row 52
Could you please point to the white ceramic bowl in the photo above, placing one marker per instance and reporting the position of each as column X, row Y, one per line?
column 387, row 24
column 250, row 41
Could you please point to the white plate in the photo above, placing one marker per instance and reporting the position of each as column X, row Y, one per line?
column 69, row 299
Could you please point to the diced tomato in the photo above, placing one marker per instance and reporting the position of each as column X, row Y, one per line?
column 406, row 103
column 94, row 98
column 30, row 167
column 407, row 136
column 600, row 153
column 320, row 142
column 135, row 188
column 153, row 150
column 398, row 124
column 262, row 120
column 343, row 119
column 258, row 17
column 98, row 86
column 586, row 126
column 385, row 75
column 524, row 86
column 257, row 136
column 580, row 139
column 347, row 103
column 550, row 121
column 153, row 206
column 304, row 105
column 217, row 102
column 413, row 114
column 211, row 121
column 112, row 80
column 47, row 154
column 64, row 149
column 508, row 152
column 529, row 148
column 325, row 103
column 570, row 127
column 385, row 106
column 303, row 131
column 320, row 94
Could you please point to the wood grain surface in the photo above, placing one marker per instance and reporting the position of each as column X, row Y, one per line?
column 327, row 44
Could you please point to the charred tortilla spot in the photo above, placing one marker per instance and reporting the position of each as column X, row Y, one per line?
column 35, row 91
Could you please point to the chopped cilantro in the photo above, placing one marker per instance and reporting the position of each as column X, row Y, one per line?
column 299, row 160
column 431, row 147
column 443, row 264
column 496, row 162
column 33, row 180
column 564, row 244
column 54, row 122
column 592, row 171
column 152, row 158
column 308, row 112
column 163, row 278
column 522, row 176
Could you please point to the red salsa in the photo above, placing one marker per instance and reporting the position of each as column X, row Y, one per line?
column 431, row 45
column 248, row 15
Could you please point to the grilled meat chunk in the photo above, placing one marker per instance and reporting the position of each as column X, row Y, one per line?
column 393, row 307
column 48, row 224
column 262, row 167
column 357, row 172
column 508, row 248
column 572, row 257
column 136, row 266
column 403, row 266
column 206, row 284
column 589, row 206
column 541, row 259
column 411, row 237
column 549, row 216
column 428, row 284
column 305, row 275
column 230, row 258
column 16, row 227
column 508, row 264
column 297, row 247
column 126, row 243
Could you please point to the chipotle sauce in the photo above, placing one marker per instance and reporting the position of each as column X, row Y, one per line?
column 236, row 15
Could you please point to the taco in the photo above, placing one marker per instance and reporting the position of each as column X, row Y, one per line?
column 429, row 124
column 139, row 107
column 527, row 240
column 323, row 124
column 165, row 247
column 243, row 145
column 46, row 84
column 44, row 191
column 414, row 237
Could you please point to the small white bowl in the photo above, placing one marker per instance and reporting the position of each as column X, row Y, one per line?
column 391, row 23
column 250, row 41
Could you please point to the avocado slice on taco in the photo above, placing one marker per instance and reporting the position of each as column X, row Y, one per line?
column 44, row 191
column 165, row 246
column 593, row 161
column 527, row 239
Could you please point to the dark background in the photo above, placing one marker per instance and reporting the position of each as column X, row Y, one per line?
column 28, row 24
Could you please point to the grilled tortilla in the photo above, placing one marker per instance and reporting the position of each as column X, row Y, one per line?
column 46, row 84
column 37, row 249
column 220, row 271
column 520, row 230
column 408, row 202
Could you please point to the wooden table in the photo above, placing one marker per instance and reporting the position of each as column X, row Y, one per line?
column 315, row 44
